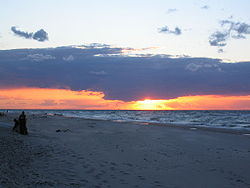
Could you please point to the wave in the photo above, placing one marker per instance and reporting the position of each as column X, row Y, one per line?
column 212, row 119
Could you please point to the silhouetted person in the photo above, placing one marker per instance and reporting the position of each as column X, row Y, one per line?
column 16, row 126
column 22, row 121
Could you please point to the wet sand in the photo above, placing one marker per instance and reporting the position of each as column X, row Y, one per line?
column 72, row 152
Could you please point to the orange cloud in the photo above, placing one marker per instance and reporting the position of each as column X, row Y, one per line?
column 210, row 102
column 199, row 102
column 40, row 98
column 44, row 98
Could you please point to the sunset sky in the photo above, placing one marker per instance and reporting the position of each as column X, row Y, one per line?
column 138, row 55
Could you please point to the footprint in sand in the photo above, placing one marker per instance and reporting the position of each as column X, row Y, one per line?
column 85, row 166
column 96, row 186
column 101, row 165
column 112, row 163
column 75, row 184
column 85, row 181
column 97, row 176
column 103, row 171
column 128, row 164
column 141, row 177
column 105, row 181
column 157, row 183
column 90, row 171
column 124, row 173
column 80, row 158
column 112, row 176
column 122, row 181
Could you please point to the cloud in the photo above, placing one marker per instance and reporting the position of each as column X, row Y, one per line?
column 21, row 33
column 69, row 58
column 220, row 50
column 40, row 35
column 165, row 29
column 218, row 39
column 202, row 67
column 122, row 77
column 229, row 30
column 238, row 30
column 98, row 73
column 206, row 7
column 171, row 10
column 39, row 57
column 49, row 103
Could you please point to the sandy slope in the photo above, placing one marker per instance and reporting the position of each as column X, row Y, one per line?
column 91, row 153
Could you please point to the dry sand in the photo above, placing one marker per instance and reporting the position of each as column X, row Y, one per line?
column 72, row 152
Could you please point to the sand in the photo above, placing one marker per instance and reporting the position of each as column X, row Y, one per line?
column 72, row 152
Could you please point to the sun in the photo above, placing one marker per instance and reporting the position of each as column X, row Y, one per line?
column 149, row 104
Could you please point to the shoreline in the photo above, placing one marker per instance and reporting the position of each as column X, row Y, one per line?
column 76, row 152
column 239, row 131
column 177, row 126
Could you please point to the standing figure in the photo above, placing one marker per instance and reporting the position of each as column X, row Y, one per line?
column 22, row 121
column 17, row 126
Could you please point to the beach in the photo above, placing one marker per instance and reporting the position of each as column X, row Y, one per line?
column 75, row 152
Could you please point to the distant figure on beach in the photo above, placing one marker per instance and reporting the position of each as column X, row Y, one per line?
column 22, row 121
column 16, row 126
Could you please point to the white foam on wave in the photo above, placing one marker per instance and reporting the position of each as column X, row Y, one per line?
column 246, row 134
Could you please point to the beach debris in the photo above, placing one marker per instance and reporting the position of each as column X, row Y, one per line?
column 193, row 128
column 63, row 130
column 56, row 114
column 2, row 114
column 16, row 127
column 247, row 134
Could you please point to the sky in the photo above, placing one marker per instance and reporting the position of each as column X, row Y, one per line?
column 140, row 54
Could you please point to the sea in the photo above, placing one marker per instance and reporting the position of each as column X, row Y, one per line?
column 228, row 119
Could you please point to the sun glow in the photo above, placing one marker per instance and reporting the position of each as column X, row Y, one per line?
column 149, row 104
column 45, row 98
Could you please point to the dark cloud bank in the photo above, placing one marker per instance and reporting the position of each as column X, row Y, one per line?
column 121, row 77
column 40, row 35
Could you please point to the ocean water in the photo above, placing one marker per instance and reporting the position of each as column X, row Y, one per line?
column 206, row 118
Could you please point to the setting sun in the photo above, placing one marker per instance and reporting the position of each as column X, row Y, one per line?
column 149, row 104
